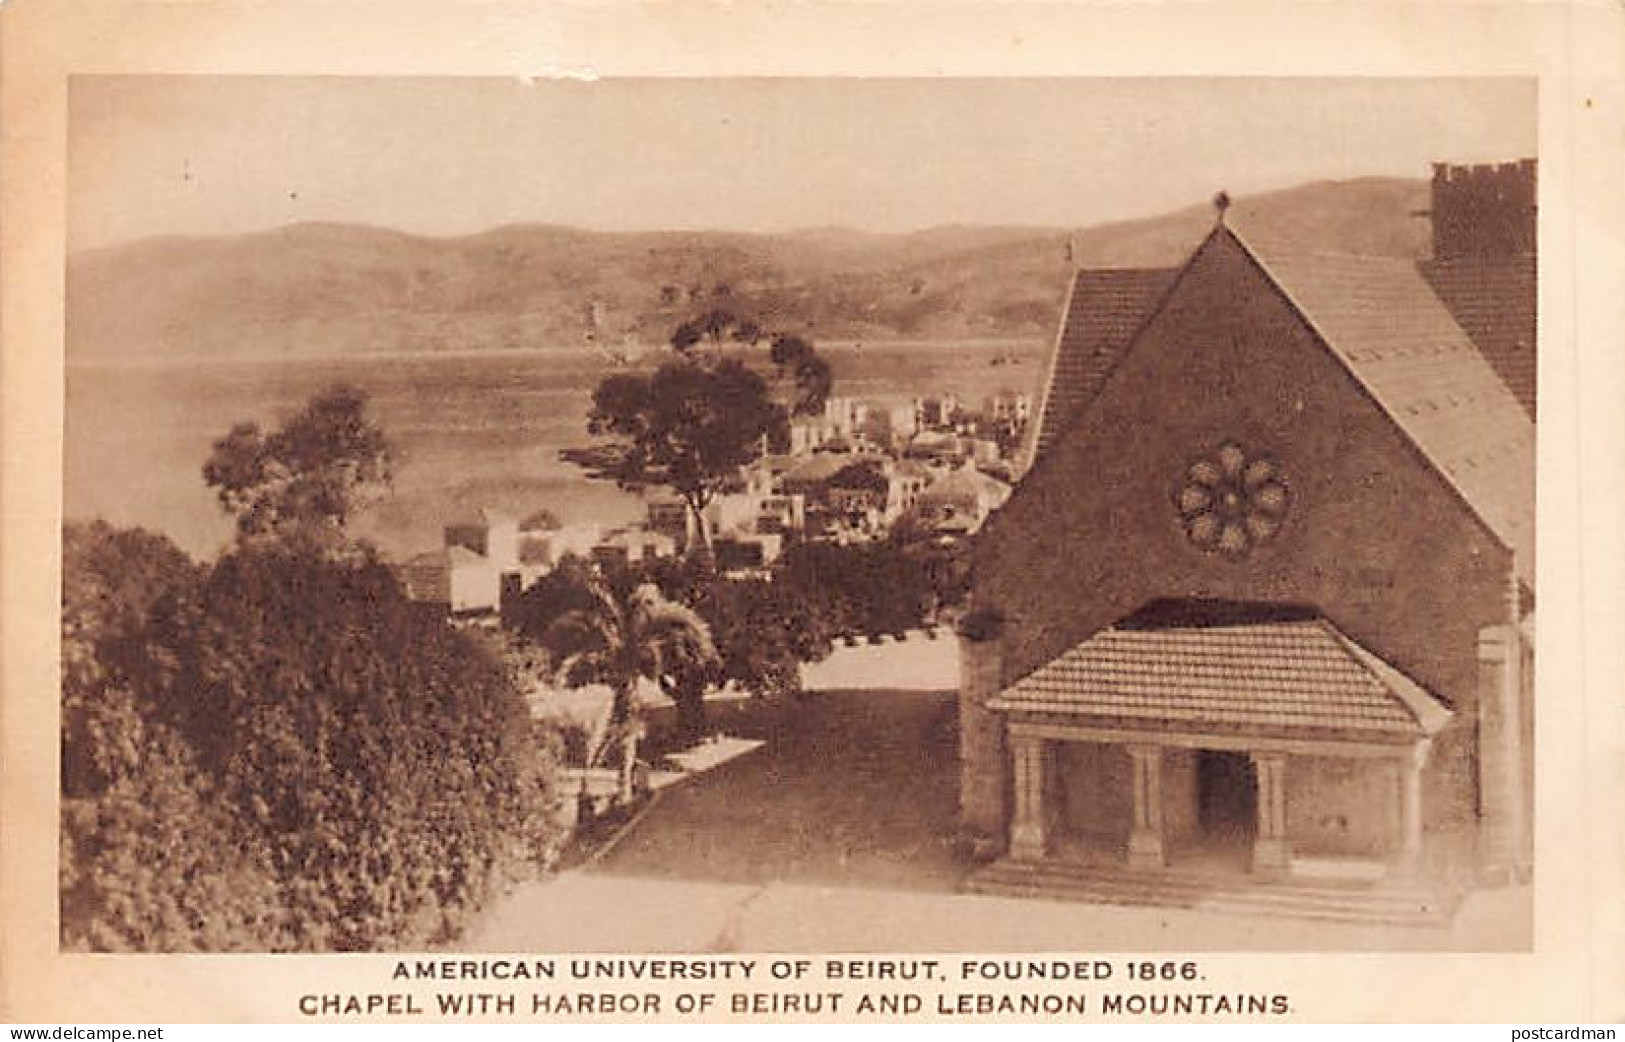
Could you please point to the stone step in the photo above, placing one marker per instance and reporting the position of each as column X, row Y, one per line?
column 1401, row 904
column 1275, row 904
column 1175, row 878
column 1365, row 905
column 1196, row 885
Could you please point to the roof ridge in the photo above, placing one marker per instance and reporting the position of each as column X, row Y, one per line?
column 1374, row 665
column 1430, row 456
column 1160, row 269
column 1172, row 274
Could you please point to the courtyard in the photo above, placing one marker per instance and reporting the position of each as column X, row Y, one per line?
column 837, row 835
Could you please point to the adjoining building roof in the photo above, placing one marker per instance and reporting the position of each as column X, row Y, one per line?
column 444, row 558
column 1284, row 675
column 636, row 537
column 1383, row 320
column 1105, row 309
column 778, row 462
column 820, row 467
column 462, row 555
column 909, row 468
column 543, row 520
column 1493, row 300
column 480, row 518
column 964, row 482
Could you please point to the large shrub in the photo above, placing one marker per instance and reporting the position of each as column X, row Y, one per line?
column 149, row 861
column 364, row 772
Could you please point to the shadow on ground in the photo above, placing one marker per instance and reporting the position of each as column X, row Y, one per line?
column 835, row 836
column 850, row 789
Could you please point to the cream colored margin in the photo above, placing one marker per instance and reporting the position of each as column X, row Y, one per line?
column 1575, row 972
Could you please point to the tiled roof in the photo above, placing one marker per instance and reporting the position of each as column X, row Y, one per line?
column 820, row 467
column 480, row 517
column 635, row 536
column 543, row 520
column 443, row 559
column 1380, row 316
column 462, row 555
column 1104, row 311
column 909, row 468
column 1280, row 675
column 1493, row 300
column 965, row 481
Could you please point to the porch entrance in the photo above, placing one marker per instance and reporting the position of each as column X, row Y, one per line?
column 1210, row 712
column 1226, row 798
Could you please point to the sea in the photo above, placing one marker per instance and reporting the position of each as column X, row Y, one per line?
column 468, row 429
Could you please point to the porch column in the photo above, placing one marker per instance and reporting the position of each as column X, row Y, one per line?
column 1027, row 756
column 1500, row 753
column 1410, row 805
column 1145, row 848
column 1271, row 851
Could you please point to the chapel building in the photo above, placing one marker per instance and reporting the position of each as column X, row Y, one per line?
column 1261, row 606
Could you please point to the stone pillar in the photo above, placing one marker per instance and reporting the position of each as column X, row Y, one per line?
column 1145, row 839
column 983, row 764
column 1028, row 841
column 1410, row 806
column 1502, row 811
column 1272, row 853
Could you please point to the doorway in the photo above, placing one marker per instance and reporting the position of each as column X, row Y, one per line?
column 1226, row 798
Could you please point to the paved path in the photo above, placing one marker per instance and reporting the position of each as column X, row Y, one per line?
column 848, row 790
column 832, row 837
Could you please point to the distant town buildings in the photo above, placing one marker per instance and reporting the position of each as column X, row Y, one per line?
column 851, row 473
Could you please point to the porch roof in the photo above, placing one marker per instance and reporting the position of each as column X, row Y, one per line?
column 1292, row 675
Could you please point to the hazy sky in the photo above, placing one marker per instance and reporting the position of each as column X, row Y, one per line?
column 209, row 154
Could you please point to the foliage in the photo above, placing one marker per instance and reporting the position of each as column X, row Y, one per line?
column 861, row 476
column 809, row 373
column 690, row 425
column 696, row 419
column 763, row 629
column 148, row 860
column 304, row 481
column 628, row 632
column 764, row 634
column 716, row 326
column 564, row 589
column 888, row 586
column 282, row 753
column 982, row 623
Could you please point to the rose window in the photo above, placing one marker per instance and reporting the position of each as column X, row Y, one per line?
column 1229, row 502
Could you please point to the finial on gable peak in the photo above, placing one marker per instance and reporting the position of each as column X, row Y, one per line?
column 1221, row 203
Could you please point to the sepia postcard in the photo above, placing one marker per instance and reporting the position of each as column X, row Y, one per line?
column 530, row 512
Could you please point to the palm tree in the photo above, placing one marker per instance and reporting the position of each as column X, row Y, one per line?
column 626, row 633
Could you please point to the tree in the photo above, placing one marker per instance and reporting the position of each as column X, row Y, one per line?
column 384, row 761
column 809, row 374
column 630, row 631
column 690, row 426
column 281, row 751
column 147, row 859
column 701, row 415
column 763, row 631
column 301, row 484
column 716, row 326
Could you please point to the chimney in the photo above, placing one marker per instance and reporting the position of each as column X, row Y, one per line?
column 1485, row 210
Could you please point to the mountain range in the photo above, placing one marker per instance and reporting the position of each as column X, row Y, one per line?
column 324, row 289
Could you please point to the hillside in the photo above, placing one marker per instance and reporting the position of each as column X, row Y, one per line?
column 335, row 288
